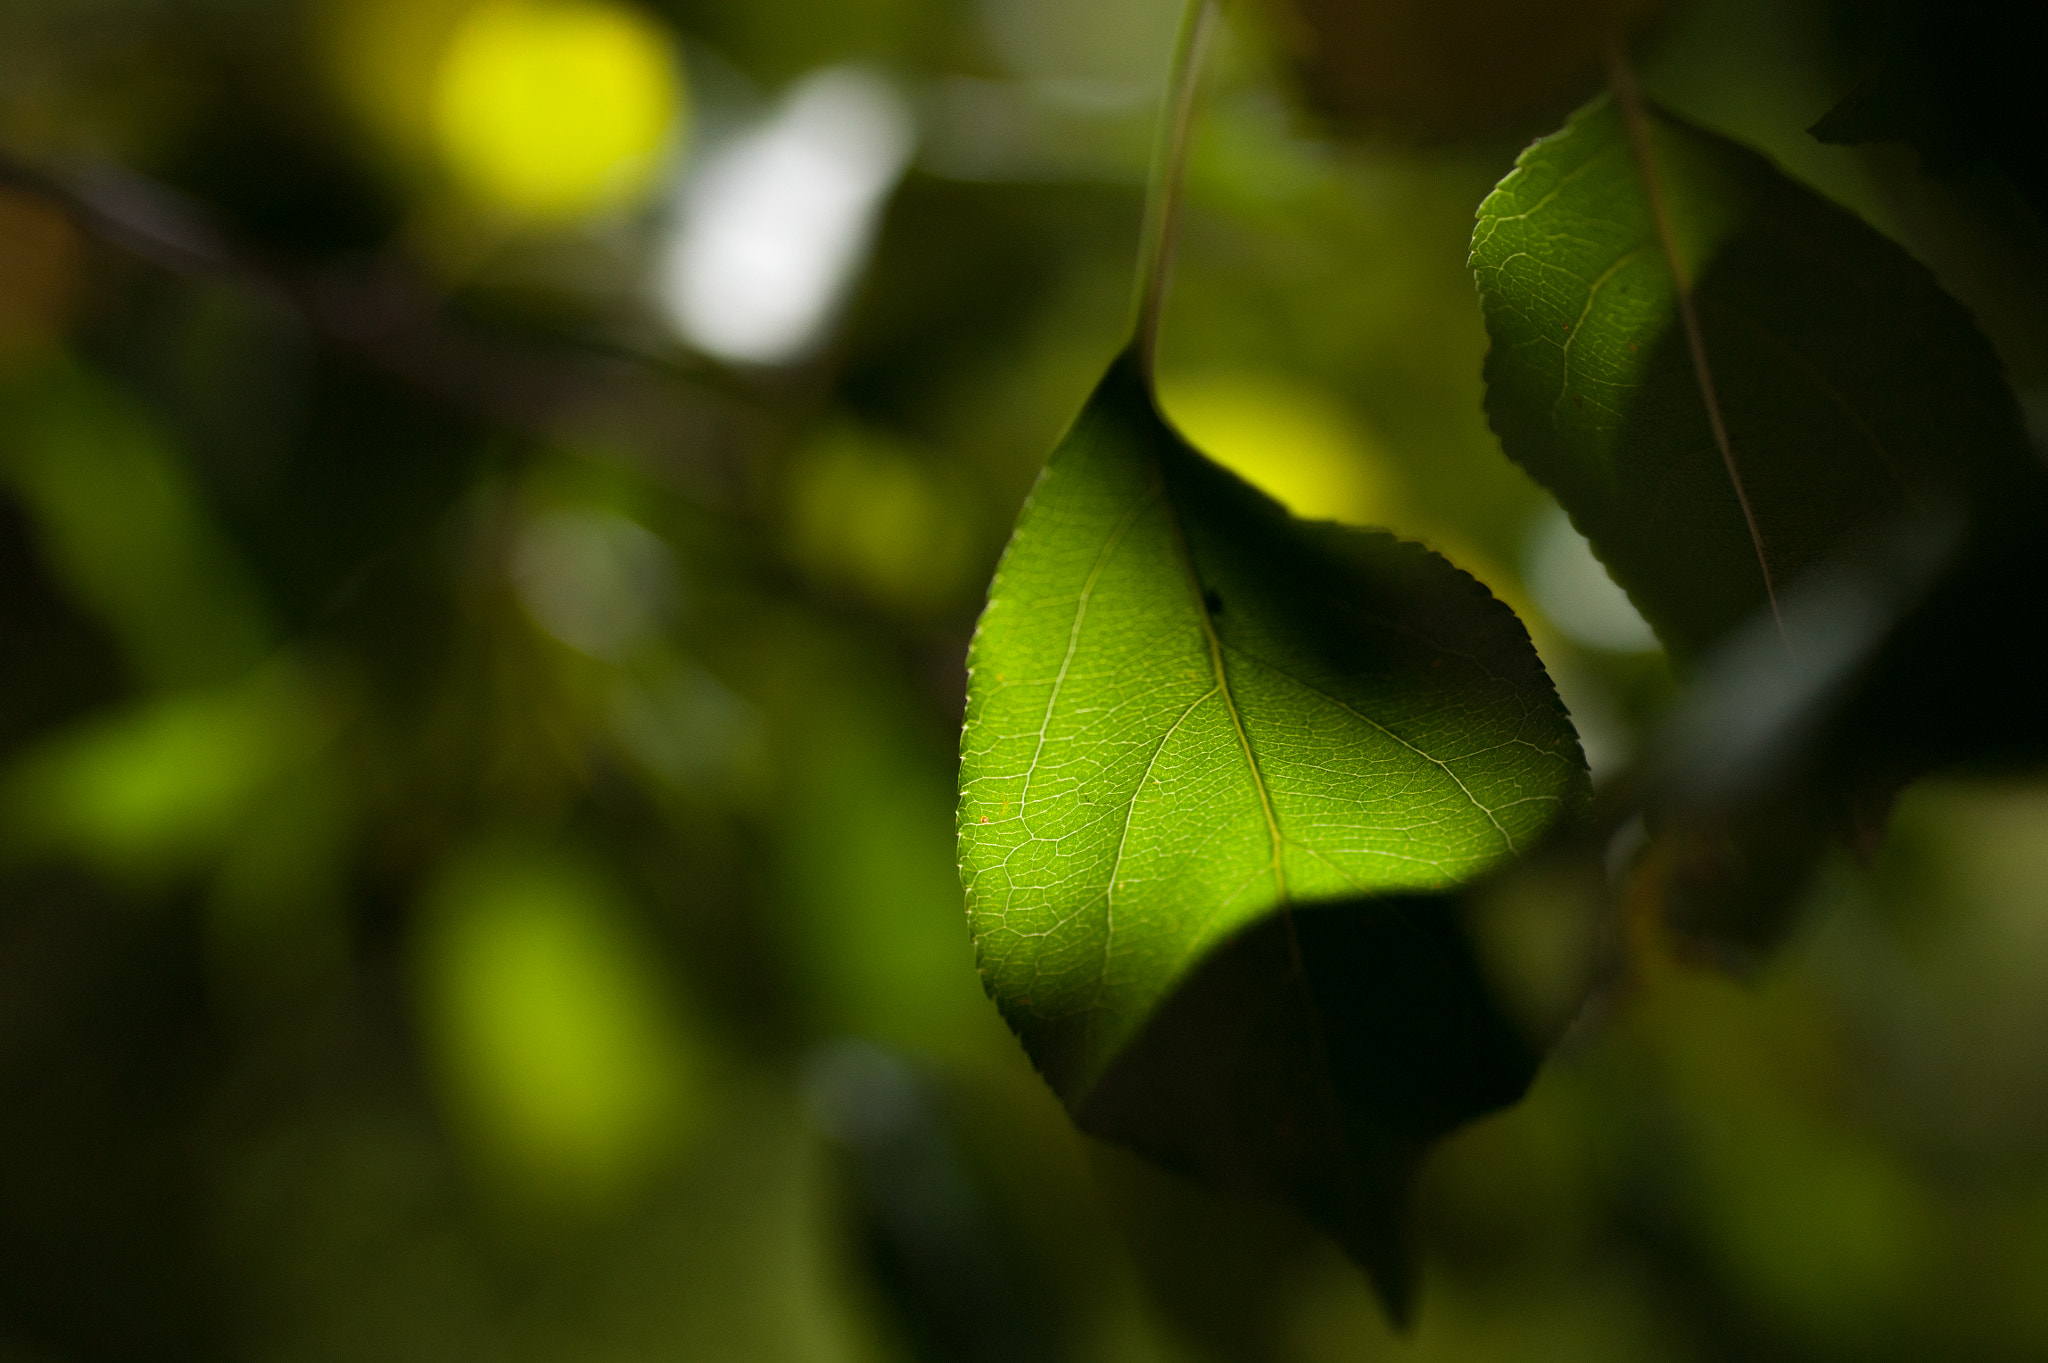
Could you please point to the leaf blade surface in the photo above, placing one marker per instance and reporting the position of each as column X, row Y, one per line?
column 1855, row 392
column 1189, row 712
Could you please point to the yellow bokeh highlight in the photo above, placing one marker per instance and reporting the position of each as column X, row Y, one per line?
column 1303, row 448
column 556, row 109
column 383, row 56
column 1294, row 443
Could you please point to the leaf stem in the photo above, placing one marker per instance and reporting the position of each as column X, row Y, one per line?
column 1622, row 76
column 1169, row 171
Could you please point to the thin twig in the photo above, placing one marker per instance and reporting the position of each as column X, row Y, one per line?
column 1629, row 97
column 381, row 314
column 1169, row 171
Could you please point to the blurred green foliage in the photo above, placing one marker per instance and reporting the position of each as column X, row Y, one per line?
column 478, row 770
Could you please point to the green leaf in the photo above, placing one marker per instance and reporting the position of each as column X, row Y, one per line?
column 1957, row 84
column 1189, row 711
column 1855, row 393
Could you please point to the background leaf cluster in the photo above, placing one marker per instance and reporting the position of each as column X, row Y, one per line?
column 477, row 760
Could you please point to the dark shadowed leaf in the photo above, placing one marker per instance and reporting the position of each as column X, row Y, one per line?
column 1855, row 392
column 1314, row 1059
column 1957, row 80
column 1896, row 501
column 1189, row 712
column 1920, row 649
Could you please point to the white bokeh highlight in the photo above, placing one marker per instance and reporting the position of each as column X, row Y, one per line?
column 1575, row 592
column 776, row 223
column 595, row 580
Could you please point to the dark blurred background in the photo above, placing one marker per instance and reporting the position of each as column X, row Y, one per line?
column 493, row 498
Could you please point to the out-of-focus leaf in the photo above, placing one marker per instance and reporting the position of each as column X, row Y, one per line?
column 1854, row 391
column 1917, row 650
column 164, row 786
column 1896, row 503
column 1955, row 81
column 867, row 515
column 125, row 531
column 1438, row 68
column 1191, row 718
column 558, row 1045
column 1769, row 754
column 865, row 863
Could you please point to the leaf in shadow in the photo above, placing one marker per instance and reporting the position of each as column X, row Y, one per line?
column 1314, row 1059
column 1956, row 80
column 1921, row 650
column 1896, row 502
column 1854, row 391
column 1767, row 755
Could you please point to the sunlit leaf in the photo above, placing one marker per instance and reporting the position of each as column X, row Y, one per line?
column 1855, row 392
column 1190, row 714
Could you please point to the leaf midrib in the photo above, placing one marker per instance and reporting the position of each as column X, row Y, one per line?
column 1368, row 720
column 1160, row 493
column 1636, row 130
column 1276, row 840
column 1818, row 378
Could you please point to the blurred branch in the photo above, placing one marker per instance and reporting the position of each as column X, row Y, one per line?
column 383, row 314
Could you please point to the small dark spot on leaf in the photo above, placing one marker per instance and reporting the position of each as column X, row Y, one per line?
column 1631, row 346
column 1579, row 403
column 1214, row 602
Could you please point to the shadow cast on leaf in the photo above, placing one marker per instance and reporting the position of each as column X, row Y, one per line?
column 1314, row 1059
